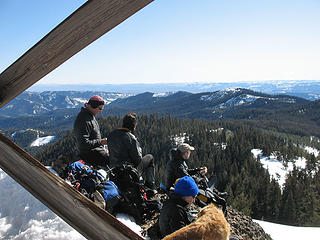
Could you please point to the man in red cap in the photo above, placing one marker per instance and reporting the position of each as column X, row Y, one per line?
column 88, row 136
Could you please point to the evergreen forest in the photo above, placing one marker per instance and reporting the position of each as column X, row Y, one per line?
column 224, row 146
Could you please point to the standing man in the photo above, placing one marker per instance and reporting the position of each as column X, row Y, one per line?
column 124, row 149
column 177, row 166
column 88, row 136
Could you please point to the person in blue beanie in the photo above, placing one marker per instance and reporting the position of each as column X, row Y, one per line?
column 174, row 213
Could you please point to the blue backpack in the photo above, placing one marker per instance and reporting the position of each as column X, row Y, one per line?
column 110, row 193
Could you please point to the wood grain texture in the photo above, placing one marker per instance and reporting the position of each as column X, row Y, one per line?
column 85, row 25
column 78, row 211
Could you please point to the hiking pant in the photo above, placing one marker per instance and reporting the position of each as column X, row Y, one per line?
column 96, row 157
column 146, row 169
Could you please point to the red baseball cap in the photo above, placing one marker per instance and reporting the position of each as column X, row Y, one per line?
column 96, row 98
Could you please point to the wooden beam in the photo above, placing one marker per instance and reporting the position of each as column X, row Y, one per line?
column 78, row 211
column 85, row 25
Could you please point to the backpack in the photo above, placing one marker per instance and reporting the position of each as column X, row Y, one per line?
column 134, row 200
column 93, row 184
column 208, row 194
column 111, row 195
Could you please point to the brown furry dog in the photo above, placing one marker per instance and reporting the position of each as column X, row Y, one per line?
column 210, row 225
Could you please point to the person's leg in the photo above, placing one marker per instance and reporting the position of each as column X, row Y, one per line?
column 146, row 168
column 96, row 158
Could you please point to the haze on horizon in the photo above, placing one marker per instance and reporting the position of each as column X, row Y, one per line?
column 177, row 41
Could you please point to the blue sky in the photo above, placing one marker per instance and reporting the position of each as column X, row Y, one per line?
column 178, row 41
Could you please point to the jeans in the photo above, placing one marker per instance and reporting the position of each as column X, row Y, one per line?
column 146, row 170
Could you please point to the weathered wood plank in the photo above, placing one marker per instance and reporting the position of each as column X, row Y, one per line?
column 78, row 211
column 89, row 22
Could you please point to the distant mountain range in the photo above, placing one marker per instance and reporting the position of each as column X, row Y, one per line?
column 209, row 105
column 303, row 88
column 55, row 111
column 52, row 113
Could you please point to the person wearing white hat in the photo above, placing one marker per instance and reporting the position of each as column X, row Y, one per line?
column 177, row 166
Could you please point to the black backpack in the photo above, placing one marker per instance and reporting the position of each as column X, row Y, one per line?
column 134, row 198
column 208, row 193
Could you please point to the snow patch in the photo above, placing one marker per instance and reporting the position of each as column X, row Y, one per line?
column 179, row 139
column 3, row 225
column 164, row 94
column 313, row 151
column 22, row 216
column 216, row 130
column 282, row 232
column 130, row 222
column 275, row 167
column 81, row 100
column 42, row 141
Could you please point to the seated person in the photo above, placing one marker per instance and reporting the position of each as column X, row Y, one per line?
column 124, row 149
column 174, row 213
column 88, row 136
column 177, row 166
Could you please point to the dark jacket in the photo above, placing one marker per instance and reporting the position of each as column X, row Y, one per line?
column 124, row 148
column 177, row 168
column 87, row 131
column 174, row 215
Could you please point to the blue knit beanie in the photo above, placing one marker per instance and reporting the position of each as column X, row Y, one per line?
column 186, row 186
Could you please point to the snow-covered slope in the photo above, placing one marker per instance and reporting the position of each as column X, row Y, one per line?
column 22, row 216
column 34, row 103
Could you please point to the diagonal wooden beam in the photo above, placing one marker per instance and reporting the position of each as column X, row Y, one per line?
column 85, row 25
column 78, row 211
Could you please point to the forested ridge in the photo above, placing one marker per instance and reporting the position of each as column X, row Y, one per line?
column 225, row 148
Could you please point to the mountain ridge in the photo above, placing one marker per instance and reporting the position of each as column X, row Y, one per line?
column 34, row 104
column 300, row 88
